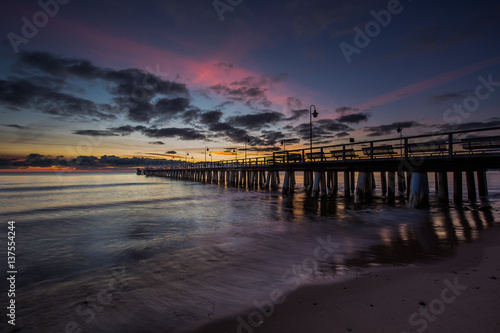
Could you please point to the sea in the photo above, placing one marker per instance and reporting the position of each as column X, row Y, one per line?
column 118, row 252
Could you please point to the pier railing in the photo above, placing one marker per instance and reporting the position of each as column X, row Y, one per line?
column 437, row 145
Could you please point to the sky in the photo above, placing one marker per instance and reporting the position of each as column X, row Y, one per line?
column 164, row 79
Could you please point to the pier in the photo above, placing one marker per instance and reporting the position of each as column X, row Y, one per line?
column 403, row 165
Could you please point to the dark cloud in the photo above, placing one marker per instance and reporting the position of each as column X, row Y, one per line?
column 449, row 97
column 251, row 91
column 172, row 132
column 226, row 67
column 293, row 103
column 391, row 128
column 323, row 130
column 354, row 118
column 256, row 121
column 296, row 114
column 133, row 90
column 17, row 126
column 211, row 117
column 469, row 126
column 94, row 133
column 343, row 109
column 157, row 143
column 342, row 134
column 171, row 152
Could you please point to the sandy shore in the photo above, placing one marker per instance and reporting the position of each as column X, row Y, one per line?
column 458, row 295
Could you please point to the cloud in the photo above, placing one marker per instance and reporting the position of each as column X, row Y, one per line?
column 211, row 117
column 323, row 130
column 171, row 152
column 94, row 133
column 226, row 67
column 344, row 109
column 391, row 128
column 293, row 103
column 172, row 132
column 447, row 97
column 493, row 122
column 354, row 118
column 157, row 143
column 296, row 114
column 145, row 96
column 250, row 91
column 17, row 126
column 256, row 121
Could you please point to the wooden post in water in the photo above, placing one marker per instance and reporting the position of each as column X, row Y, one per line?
column 383, row 181
column 391, row 188
column 436, row 182
column 364, row 187
column 443, row 187
column 347, row 189
column 401, row 182
column 408, row 182
column 352, row 182
column 482, row 183
column 286, row 183
column 262, row 179
column 324, row 193
column 457, row 187
column 471, row 185
column 419, row 190
column 335, row 183
column 317, row 180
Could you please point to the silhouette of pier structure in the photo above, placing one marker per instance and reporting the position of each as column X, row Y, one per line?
column 404, row 164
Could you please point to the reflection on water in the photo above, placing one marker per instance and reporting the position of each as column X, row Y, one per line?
column 122, row 253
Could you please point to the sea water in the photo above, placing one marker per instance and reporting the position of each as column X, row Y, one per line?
column 117, row 252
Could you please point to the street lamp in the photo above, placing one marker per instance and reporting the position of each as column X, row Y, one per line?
column 236, row 152
column 206, row 149
column 400, row 131
column 247, row 139
column 311, row 114
column 185, row 156
column 210, row 154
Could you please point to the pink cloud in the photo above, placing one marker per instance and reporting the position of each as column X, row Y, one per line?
column 198, row 69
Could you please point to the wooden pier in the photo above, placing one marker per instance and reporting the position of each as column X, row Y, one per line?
column 403, row 165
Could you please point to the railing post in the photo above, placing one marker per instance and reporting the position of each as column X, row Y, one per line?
column 450, row 145
column 322, row 156
column 371, row 150
column 406, row 147
column 343, row 152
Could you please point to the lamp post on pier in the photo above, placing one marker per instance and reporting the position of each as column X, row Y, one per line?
column 206, row 149
column 400, row 131
column 311, row 114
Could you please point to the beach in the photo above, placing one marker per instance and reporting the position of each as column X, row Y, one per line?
column 458, row 295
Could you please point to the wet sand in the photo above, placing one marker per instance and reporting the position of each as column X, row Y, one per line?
column 458, row 295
